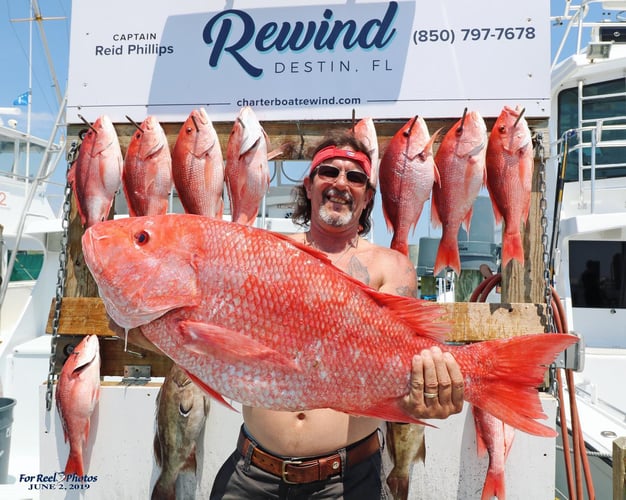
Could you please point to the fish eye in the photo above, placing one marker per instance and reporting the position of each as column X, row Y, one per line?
column 502, row 128
column 142, row 237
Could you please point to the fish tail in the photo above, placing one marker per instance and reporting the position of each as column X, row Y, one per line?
column 505, row 374
column 512, row 248
column 494, row 485
column 74, row 464
column 164, row 489
column 447, row 255
column 400, row 244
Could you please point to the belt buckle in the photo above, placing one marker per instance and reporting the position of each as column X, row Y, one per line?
column 284, row 472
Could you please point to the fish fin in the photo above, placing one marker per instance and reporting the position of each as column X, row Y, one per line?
column 447, row 255
column 390, row 411
column 74, row 464
column 512, row 248
column 401, row 246
column 419, row 315
column 509, row 437
column 496, row 211
column 203, row 338
column 494, row 485
column 156, row 445
column 437, row 177
column 511, row 370
column 275, row 153
column 422, row 316
column 251, row 139
column 481, row 446
column 318, row 254
column 210, row 391
column 435, row 219
column 468, row 220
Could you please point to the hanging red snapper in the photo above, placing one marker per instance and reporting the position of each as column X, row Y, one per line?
column 365, row 131
column 198, row 166
column 509, row 178
column 268, row 322
column 407, row 174
column 96, row 175
column 147, row 176
column 77, row 393
column 495, row 438
column 461, row 163
column 247, row 171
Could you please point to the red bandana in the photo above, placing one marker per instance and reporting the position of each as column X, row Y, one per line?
column 334, row 152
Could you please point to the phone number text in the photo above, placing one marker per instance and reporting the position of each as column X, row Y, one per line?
column 473, row 34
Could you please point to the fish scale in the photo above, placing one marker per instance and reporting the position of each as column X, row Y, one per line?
column 286, row 346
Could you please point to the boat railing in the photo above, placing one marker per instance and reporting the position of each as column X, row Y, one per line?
column 47, row 166
column 573, row 18
column 594, row 146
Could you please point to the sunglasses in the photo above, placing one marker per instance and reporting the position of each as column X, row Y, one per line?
column 329, row 172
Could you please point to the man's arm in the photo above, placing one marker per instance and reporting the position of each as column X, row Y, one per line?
column 432, row 371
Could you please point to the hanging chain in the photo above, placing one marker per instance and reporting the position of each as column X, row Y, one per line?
column 61, row 276
column 547, row 258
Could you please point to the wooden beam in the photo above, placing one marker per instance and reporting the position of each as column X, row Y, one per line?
column 470, row 321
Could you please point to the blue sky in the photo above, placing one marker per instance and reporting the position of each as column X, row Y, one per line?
column 14, row 43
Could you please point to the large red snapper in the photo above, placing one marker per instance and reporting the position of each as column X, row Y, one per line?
column 147, row 175
column 509, row 178
column 77, row 393
column 96, row 175
column 262, row 320
column 407, row 174
column 198, row 166
column 461, row 163
column 247, row 170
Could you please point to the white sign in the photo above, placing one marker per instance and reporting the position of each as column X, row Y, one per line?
column 307, row 60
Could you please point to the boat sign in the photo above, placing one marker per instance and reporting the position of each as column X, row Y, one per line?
column 308, row 59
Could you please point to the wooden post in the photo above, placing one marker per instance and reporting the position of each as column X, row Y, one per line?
column 619, row 468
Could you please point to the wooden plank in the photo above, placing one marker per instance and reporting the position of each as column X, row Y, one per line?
column 114, row 356
column 470, row 321
column 619, row 468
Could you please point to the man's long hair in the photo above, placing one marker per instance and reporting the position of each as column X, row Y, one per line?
column 302, row 211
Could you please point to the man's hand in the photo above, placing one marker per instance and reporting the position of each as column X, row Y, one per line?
column 436, row 389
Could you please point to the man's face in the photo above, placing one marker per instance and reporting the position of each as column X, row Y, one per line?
column 337, row 196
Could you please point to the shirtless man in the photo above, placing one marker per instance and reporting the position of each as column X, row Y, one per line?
column 323, row 453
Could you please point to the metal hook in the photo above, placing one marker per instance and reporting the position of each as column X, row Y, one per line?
column 460, row 129
column 519, row 117
column 407, row 132
column 195, row 124
column 134, row 123
column 88, row 124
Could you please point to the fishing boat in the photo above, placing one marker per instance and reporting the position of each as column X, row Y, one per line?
column 31, row 242
column 586, row 185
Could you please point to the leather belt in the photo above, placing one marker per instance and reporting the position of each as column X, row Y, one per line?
column 308, row 470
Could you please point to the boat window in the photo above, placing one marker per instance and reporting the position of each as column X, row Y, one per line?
column 598, row 273
column 602, row 101
column 27, row 266
column 13, row 157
